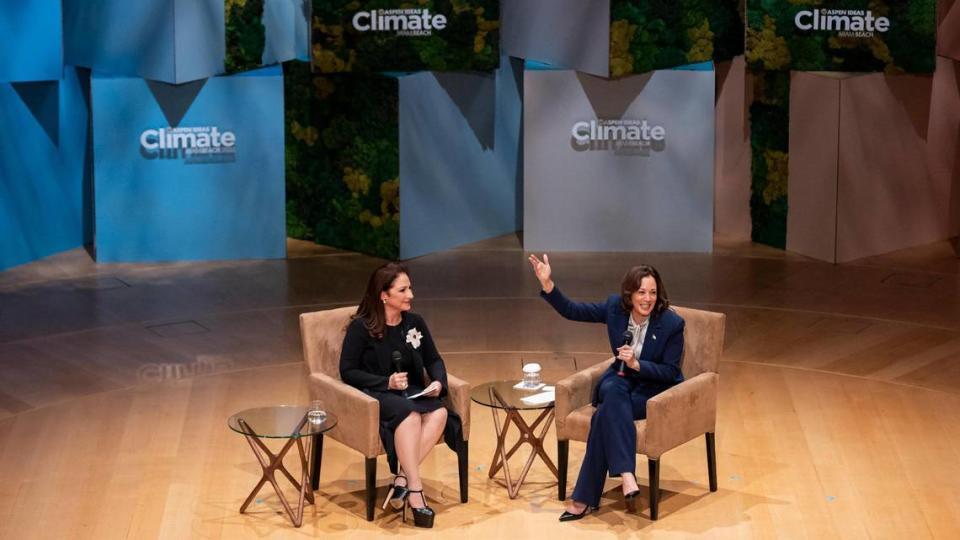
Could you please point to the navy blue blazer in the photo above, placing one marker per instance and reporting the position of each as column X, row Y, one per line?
column 662, row 349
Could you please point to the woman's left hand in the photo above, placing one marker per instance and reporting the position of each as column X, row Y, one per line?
column 433, row 389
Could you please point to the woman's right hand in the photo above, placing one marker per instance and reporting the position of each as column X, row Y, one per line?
column 398, row 381
column 542, row 270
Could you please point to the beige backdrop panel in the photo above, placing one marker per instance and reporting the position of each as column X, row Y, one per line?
column 731, row 218
column 943, row 146
column 812, row 188
column 948, row 29
column 887, row 199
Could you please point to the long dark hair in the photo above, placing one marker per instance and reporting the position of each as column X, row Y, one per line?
column 371, row 306
column 631, row 283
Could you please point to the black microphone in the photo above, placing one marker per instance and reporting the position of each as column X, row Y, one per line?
column 627, row 340
column 398, row 366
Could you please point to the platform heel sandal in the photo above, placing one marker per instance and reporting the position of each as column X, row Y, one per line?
column 397, row 494
column 422, row 517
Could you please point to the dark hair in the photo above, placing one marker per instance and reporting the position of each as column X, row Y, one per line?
column 631, row 283
column 371, row 306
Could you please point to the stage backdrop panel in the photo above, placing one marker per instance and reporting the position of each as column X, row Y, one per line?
column 173, row 41
column 842, row 35
column 31, row 41
column 567, row 34
column 873, row 192
column 42, row 153
column 396, row 35
column 732, row 157
column 459, row 157
column 264, row 32
column 948, row 29
column 943, row 136
column 189, row 172
column 621, row 165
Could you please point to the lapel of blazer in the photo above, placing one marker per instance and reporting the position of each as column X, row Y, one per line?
column 653, row 340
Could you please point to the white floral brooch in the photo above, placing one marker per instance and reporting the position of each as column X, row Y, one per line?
column 413, row 337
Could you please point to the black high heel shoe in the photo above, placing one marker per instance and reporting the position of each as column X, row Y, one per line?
column 397, row 494
column 570, row 516
column 422, row 517
column 630, row 499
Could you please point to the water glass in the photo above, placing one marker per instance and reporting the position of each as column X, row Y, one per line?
column 531, row 375
column 315, row 413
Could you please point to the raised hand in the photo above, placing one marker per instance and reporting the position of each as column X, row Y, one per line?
column 542, row 270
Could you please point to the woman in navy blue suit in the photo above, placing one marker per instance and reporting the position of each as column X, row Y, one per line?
column 647, row 339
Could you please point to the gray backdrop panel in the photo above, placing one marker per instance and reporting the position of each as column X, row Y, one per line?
column 596, row 200
column 459, row 152
column 569, row 34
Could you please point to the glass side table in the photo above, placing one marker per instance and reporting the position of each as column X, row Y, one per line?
column 502, row 395
column 281, row 422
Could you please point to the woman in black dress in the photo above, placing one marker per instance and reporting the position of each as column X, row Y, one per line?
column 385, row 352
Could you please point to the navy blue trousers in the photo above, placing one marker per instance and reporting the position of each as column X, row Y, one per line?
column 612, row 442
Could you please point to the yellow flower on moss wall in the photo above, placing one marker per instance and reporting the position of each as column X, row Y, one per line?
column 777, row 168
column 308, row 135
column 357, row 181
column 459, row 6
column 479, row 41
column 327, row 60
column 322, row 87
column 390, row 197
column 701, row 43
column 621, row 34
column 767, row 47
column 332, row 32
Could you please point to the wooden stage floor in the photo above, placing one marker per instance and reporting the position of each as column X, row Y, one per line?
column 840, row 387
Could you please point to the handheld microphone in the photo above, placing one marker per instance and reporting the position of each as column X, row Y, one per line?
column 627, row 340
column 398, row 366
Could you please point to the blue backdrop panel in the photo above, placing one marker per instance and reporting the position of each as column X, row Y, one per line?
column 216, row 191
column 459, row 157
column 42, row 148
column 165, row 40
column 31, row 40
column 287, row 28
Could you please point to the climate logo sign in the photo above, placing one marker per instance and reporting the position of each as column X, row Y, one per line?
column 845, row 22
column 203, row 144
column 621, row 136
column 403, row 22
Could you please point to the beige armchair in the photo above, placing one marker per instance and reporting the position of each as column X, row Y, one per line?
column 359, row 414
column 674, row 416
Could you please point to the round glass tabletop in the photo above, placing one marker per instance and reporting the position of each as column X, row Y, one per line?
column 505, row 395
column 279, row 422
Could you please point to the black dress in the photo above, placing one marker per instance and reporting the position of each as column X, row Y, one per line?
column 366, row 363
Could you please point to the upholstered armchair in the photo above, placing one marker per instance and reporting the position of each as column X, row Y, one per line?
column 359, row 414
column 675, row 416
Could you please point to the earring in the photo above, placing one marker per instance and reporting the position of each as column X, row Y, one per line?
column 384, row 300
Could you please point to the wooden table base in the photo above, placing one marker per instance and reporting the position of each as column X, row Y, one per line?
column 270, row 463
column 527, row 435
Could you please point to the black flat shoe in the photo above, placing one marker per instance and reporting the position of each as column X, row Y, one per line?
column 570, row 516
column 397, row 494
column 422, row 517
